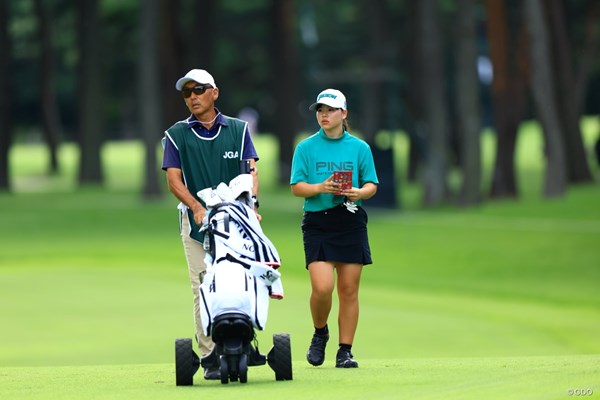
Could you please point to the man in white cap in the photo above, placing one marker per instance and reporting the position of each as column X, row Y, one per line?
column 202, row 151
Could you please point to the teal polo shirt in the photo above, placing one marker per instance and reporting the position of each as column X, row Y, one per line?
column 318, row 156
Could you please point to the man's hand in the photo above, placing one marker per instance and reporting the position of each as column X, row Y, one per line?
column 199, row 214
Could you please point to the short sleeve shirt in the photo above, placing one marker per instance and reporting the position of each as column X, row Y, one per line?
column 318, row 156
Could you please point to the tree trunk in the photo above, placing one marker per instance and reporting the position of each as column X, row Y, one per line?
column 435, row 112
column 50, row 115
column 589, row 53
column 372, row 109
column 508, row 93
column 171, row 49
column 544, row 96
column 149, row 85
column 285, row 62
column 569, row 85
column 414, row 105
column 91, row 115
column 468, row 104
column 5, row 90
column 203, row 30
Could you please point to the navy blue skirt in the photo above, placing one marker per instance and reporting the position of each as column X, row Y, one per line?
column 336, row 234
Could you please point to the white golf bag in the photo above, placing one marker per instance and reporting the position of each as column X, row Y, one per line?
column 241, row 261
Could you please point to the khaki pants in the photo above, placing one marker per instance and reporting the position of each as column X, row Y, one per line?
column 194, row 255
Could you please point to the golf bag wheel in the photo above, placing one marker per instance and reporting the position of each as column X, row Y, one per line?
column 243, row 368
column 280, row 357
column 187, row 362
column 232, row 363
column 224, row 369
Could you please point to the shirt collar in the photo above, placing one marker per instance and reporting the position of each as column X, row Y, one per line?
column 324, row 135
column 193, row 122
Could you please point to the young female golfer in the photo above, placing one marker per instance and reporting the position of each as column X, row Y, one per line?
column 334, row 171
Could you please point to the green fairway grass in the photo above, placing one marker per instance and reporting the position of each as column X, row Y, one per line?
column 501, row 301
column 533, row 378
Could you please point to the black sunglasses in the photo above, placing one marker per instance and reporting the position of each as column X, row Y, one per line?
column 197, row 90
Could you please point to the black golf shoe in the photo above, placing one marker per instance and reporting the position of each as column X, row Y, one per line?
column 316, row 351
column 343, row 359
column 211, row 374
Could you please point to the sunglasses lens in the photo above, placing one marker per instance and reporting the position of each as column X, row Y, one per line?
column 197, row 90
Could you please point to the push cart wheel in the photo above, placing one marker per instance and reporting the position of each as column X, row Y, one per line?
column 187, row 362
column 280, row 357
column 224, row 370
column 243, row 368
column 233, row 362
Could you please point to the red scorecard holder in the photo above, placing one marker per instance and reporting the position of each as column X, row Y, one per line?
column 344, row 178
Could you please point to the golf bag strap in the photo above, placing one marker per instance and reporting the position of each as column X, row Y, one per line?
column 226, row 220
column 216, row 208
column 231, row 258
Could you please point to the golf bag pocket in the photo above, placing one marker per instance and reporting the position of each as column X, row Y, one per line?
column 229, row 288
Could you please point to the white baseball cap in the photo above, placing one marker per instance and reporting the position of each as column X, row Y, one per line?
column 196, row 75
column 330, row 97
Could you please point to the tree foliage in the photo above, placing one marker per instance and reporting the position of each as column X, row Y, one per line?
column 82, row 74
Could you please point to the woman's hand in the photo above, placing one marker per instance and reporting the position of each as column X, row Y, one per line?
column 329, row 186
column 363, row 193
column 353, row 194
